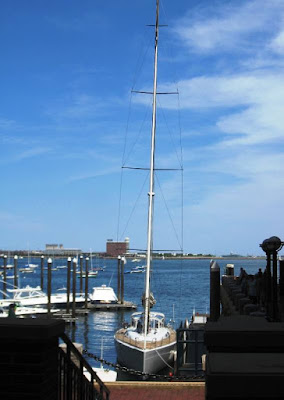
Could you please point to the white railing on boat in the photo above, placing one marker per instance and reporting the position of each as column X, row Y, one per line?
column 120, row 335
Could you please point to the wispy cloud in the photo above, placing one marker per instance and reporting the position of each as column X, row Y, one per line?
column 226, row 27
column 31, row 153
column 95, row 174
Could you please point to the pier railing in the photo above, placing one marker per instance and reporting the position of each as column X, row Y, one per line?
column 73, row 384
column 120, row 335
column 190, row 349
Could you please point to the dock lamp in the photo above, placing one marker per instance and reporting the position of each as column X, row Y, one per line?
column 271, row 246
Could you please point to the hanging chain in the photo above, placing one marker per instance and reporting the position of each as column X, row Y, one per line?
column 139, row 373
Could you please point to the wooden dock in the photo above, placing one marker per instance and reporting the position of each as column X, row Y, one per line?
column 127, row 305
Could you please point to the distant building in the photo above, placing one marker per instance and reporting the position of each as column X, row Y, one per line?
column 114, row 249
column 59, row 250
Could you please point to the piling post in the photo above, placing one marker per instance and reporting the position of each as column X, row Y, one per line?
column 281, row 277
column 118, row 278
column 49, row 265
column 274, row 287
column 4, row 276
column 41, row 271
column 16, row 271
column 74, row 287
column 86, row 281
column 68, row 285
column 81, row 274
column 214, row 291
column 123, row 261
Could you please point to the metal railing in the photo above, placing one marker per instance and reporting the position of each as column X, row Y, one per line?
column 73, row 384
column 190, row 349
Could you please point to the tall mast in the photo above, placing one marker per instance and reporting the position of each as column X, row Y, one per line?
column 151, row 184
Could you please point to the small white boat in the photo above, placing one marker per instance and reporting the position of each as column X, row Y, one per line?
column 25, row 311
column 105, row 374
column 31, row 265
column 34, row 296
column 27, row 270
column 103, row 295
column 91, row 274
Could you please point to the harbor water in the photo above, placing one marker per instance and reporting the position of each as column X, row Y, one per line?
column 179, row 287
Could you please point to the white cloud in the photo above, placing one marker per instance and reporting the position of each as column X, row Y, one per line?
column 229, row 26
column 277, row 43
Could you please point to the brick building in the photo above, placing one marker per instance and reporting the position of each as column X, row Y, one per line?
column 114, row 249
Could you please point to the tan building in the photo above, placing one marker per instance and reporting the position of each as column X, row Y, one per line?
column 115, row 249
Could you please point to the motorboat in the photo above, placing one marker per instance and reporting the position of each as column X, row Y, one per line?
column 103, row 295
column 26, row 311
column 34, row 296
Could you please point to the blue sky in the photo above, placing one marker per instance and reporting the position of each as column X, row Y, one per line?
column 66, row 72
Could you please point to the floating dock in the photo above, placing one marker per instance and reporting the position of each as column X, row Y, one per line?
column 127, row 305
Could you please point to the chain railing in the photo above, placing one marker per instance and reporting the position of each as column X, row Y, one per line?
column 170, row 377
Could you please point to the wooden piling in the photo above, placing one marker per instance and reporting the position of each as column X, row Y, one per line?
column 68, row 285
column 122, row 279
column 5, row 277
column 74, row 287
column 214, row 291
column 118, row 279
column 274, row 287
column 41, row 271
column 16, row 271
column 86, row 281
column 49, row 266
column 81, row 274
column 281, row 277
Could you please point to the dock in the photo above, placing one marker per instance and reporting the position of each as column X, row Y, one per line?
column 127, row 305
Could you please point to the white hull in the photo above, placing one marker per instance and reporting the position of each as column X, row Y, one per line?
column 149, row 361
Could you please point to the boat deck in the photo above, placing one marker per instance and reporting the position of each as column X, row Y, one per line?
column 157, row 390
column 140, row 344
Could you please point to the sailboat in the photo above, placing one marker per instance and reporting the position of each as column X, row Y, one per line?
column 148, row 344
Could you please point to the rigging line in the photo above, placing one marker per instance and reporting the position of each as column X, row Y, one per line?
column 155, row 169
column 143, row 57
column 170, row 134
column 135, row 204
column 182, row 200
column 145, row 92
column 137, row 137
column 168, row 365
column 166, row 47
column 122, row 162
column 169, row 214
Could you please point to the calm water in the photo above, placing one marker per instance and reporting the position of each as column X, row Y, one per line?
column 179, row 287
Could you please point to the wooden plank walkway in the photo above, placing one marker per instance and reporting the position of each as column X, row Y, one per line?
column 157, row 390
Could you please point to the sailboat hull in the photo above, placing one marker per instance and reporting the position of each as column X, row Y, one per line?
column 149, row 361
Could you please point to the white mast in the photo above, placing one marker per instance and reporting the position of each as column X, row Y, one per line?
column 151, row 185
